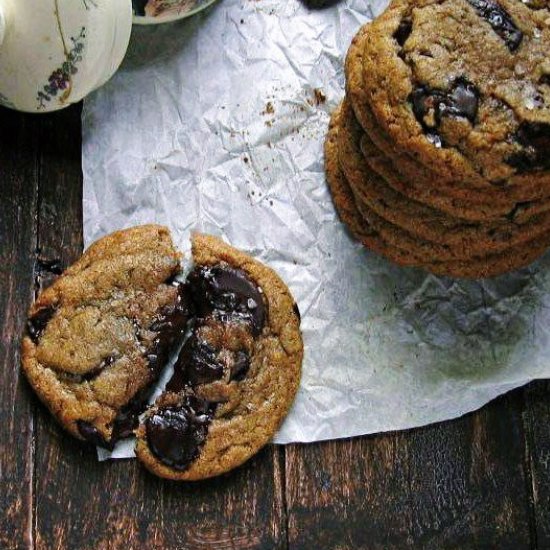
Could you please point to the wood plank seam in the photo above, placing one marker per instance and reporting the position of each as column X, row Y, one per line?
column 281, row 457
column 37, row 289
column 529, row 477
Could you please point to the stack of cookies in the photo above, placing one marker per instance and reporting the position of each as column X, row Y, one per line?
column 439, row 156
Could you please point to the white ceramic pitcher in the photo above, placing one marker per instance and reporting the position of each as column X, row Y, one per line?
column 54, row 52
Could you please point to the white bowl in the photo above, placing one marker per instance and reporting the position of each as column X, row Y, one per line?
column 152, row 12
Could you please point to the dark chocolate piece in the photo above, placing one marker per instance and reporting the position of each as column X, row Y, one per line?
column 50, row 266
column 403, row 31
column 170, row 328
column 240, row 367
column 176, row 434
column 319, row 4
column 464, row 101
column 173, row 319
column 127, row 419
column 197, row 363
column 91, row 433
column 227, row 294
column 297, row 311
column 460, row 101
column 36, row 325
column 535, row 140
column 501, row 22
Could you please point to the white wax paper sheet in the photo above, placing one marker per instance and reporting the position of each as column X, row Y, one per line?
column 217, row 124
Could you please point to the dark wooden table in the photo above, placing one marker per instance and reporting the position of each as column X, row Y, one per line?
column 482, row 481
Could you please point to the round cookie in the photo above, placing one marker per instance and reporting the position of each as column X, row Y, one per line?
column 470, row 113
column 460, row 240
column 99, row 336
column 405, row 174
column 236, row 376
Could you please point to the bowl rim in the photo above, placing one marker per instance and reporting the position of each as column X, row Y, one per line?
column 144, row 20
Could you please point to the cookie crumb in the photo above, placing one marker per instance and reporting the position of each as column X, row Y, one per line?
column 268, row 109
column 319, row 97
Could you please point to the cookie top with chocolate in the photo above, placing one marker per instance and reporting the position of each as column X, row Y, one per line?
column 99, row 337
column 464, row 86
column 236, row 375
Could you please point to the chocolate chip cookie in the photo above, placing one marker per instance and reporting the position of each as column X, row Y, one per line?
column 407, row 175
column 463, row 86
column 100, row 336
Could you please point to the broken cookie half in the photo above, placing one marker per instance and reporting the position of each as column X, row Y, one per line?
column 99, row 338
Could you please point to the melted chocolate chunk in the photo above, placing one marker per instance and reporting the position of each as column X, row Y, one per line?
column 461, row 101
column 403, row 31
column 319, row 4
column 535, row 140
column 170, row 328
column 91, row 433
column 297, row 311
column 173, row 319
column 197, row 363
column 176, row 434
column 51, row 266
column 37, row 324
column 228, row 294
column 500, row 21
column 464, row 101
column 240, row 367
column 127, row 419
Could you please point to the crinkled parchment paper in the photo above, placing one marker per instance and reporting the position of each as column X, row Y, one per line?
column 217, row 124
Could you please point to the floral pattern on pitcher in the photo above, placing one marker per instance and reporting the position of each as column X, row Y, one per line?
column 60, row 81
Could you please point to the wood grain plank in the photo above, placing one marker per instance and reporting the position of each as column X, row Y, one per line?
column 537, row 422
column 84, row 504
column 460, row 484
column 468, row 480
column 18, row 205
column 349, row 494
